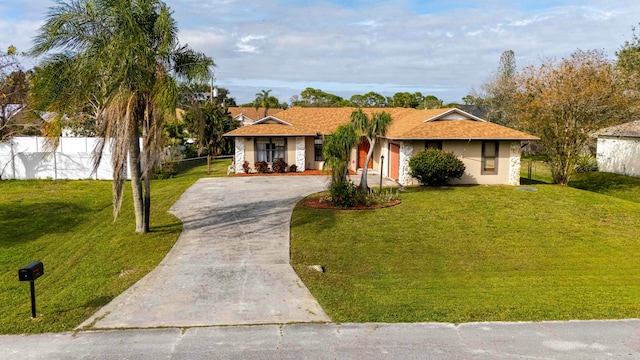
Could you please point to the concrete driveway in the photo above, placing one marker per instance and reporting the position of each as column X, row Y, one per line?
column 230, row 264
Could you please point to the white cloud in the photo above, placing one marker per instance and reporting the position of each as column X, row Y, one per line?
column 382, row 46
column 244, row 44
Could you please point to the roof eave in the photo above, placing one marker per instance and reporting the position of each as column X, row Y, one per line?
column 452, row 110
column 464, row 139
column 268, row 135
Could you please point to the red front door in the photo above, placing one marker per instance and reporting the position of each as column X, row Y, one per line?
column 363, row 149
column 394, row 161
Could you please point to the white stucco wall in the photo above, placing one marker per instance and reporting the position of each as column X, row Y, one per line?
column 301, row 156
column 470, row 153
column 245, row 151
column 514, row 163
column 311, row 163
column 406, row 151
column 239, row 155
column 619, row 155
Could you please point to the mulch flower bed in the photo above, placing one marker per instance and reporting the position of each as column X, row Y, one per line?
column 321, row 202
column 301, row 173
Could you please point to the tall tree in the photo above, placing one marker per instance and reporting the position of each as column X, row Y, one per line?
column 406, row 100
column 566, row 102
column 318, row 98
column 370, row 99
column 371, row 129
column 200, row 93
column 210, row 121
column 263, row 100
column 629, row 63
column 126, row 53
column 13, row 90
column 432, row 102
column 496, row 94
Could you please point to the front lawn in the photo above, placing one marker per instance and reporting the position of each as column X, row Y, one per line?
column 478, row 253
column 620, row 186
column 88, row 259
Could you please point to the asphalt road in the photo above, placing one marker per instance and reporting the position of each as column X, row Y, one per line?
column 543, row 340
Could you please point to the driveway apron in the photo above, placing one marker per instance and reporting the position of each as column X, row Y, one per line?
column 230, row 265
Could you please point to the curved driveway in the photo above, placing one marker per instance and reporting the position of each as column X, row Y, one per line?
column 230, row 264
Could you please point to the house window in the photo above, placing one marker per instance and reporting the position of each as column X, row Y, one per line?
column 431, row 144
column 489, row 157
column 317, row 149
column 270, row 149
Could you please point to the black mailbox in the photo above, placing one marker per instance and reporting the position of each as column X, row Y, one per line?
column 31, row 272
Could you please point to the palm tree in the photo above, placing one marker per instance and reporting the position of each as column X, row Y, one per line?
column 123, row 56
column 337, row 151
column 371, row 129
column 263, row 100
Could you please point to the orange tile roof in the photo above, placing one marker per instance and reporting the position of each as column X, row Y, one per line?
column 252, row 113
column 415, row 127
column 406, row 124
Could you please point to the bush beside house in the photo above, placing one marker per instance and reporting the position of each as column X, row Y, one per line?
column 434, row 167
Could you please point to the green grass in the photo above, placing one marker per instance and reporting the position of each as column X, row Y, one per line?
column 88, row 259
column 540, row 172
column 479, row 253
column 620, row 186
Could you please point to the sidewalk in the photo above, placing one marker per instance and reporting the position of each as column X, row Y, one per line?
column 543, row 340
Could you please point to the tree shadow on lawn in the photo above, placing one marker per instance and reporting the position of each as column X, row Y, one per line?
column 601, row 182
column 26, row 222
column 525, row 181
column 322, row 218
column 166, row 228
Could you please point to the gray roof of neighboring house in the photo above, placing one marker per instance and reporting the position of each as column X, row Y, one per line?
column 630, row 129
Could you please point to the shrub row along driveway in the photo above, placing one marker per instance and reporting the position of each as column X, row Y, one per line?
column 230, row 264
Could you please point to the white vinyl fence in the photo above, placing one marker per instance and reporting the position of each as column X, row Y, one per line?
column 27, row 158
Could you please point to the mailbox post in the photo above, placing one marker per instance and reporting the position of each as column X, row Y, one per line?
column 29, row 273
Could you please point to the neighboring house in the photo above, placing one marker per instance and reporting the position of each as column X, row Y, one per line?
column 618, row 149
column 490, row 152
column 248, row 115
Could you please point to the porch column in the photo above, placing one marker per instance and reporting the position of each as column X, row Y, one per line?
column 514, row 163
column 384, row 144
column 239, row 155
column 406, row 150
column 301, row 155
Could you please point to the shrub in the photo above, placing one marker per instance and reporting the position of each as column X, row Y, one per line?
column 190, row 151
column 165, row 171
column 279, row 166
column 434, row 167
column 245, row 167
column 586, row 163
column 382, row 197
column 293, row 168
column 345, row 194
column 261, row 167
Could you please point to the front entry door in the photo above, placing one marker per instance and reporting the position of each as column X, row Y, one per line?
column 363, row 149
column 394, row 161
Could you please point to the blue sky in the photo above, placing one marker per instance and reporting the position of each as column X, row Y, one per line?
column 443, row 48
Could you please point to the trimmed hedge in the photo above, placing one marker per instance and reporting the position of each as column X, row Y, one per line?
column 434, row 167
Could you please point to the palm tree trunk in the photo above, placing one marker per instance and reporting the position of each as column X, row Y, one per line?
column 146, row 166
column 364, row 185
column 147, row 198
column 136, row 178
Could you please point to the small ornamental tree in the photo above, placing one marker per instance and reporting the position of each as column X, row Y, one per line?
column 434, row 167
